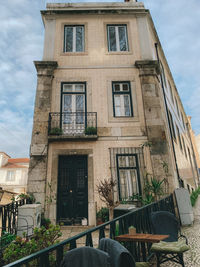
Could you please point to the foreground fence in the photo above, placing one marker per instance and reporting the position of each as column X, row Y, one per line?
column 8, row 216
column 140, row 218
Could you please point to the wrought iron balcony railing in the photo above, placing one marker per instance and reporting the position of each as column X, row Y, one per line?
column 72, row 123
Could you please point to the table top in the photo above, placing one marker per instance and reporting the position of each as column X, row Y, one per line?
column 149, row 238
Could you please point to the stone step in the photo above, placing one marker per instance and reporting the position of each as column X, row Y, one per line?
column 69, row 231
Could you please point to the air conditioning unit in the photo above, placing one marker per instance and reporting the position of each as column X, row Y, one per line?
column 29, row 217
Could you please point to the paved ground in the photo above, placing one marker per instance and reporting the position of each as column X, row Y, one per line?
column 191, row 257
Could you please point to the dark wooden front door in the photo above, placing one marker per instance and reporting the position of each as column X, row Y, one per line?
column 72, row 202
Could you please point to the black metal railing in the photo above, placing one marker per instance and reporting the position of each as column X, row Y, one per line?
column 140, row 218
column 72, row 123
column 8, row 216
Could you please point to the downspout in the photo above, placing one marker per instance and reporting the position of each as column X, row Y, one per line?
column 167, row 112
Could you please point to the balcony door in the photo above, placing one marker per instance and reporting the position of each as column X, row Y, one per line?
column 73, row 108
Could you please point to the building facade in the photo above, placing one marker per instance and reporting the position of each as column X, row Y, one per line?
column 106, row 106
column 13, row 174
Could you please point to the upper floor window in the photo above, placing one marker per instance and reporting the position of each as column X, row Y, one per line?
column 10, row 176
column 163, row 75
column 179, row 137
column 171, row 94
column 171, row 123
column 117, row 38
column 74, row 38
column 177, row 107
column 122, row 104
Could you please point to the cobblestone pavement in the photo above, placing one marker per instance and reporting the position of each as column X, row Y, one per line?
column 191, row 257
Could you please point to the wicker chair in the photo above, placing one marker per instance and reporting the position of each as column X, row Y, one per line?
column 172, row 249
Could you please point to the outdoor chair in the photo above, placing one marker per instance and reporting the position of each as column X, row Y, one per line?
column 86, row 257
column 172, row 248
column 119, row 255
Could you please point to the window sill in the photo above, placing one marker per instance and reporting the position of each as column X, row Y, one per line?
column 119, row 53
column 74, row 54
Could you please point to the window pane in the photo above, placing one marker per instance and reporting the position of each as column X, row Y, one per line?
column 125, row 87
column 112, row 38
column 132, row 161
column 134, row 181
column 121, row 161
column 79, row 88
column 79, row 38
column 116, row 87
column 79, row 109
column 127, row 105
column 122, row 38
column 123, row 184
column 68, row 39
column 67, row 88
column 117, row 105
column 67, row 107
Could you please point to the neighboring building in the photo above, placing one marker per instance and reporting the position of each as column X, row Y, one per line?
column 197, row 140
column 106, row 106
column 13, row 173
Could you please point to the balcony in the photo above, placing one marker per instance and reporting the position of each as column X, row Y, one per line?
column 72, row 125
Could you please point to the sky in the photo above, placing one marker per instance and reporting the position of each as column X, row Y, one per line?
column 21, row 42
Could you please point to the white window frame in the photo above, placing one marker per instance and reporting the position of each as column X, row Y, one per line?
column 74, row 27
column 117, row 38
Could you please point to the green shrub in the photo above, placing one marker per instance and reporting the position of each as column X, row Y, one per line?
column 103, row 214
column 56, row 131
column 194, row 196
column 91, row 130
column 21, row 247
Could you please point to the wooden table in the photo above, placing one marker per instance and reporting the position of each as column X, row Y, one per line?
column 141, row 238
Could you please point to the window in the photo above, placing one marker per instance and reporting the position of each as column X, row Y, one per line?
column 179, row 137
column 171, row 124
column 73, row 107
column 177, row 107
column 122, row 104
column 128, row 175
column 171, row 94
column 184, row 147
column 163, row 75
column 117, row 38
column 74, row 38
column 10, row 176
column 183, row 120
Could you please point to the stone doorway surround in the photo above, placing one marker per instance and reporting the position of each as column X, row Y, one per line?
column 51, row 209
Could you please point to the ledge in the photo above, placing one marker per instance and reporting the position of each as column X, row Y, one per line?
column 60, row 138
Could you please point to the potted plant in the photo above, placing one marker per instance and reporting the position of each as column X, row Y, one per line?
column 102, row 215
column 56, row 131
column 105, row 188
column 91, row 130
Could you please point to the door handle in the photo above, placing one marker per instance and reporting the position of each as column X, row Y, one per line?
column 70, row 191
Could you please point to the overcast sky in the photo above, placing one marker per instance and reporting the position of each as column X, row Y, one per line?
column 21, row 42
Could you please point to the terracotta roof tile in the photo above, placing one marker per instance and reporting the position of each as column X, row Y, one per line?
column 12, row 165
column 19, row 160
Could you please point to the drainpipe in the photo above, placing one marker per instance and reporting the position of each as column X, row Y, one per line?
column 170, row 130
